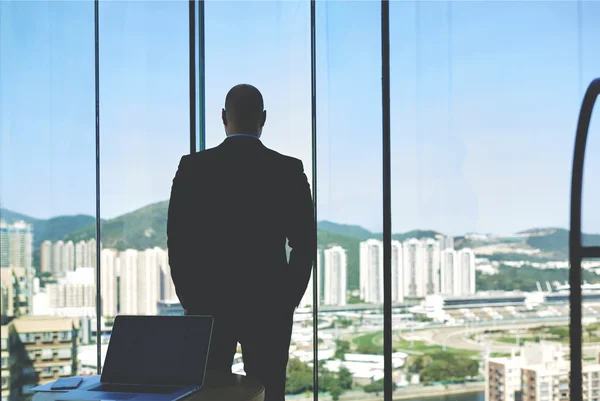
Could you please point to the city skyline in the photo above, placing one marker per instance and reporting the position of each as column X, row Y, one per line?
column 468, row 155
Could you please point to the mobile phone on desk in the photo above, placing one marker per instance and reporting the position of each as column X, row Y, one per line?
column 67, row 383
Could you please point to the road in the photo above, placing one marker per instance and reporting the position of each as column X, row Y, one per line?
column 459, row 337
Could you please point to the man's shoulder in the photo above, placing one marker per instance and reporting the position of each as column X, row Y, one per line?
column 201, row 156
column 285, row 160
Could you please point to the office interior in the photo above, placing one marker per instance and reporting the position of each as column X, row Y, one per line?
column 438, row 139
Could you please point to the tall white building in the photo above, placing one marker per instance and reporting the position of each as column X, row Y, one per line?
column 307, row 299
column 68, row 258
column 445, row 241
column 148, row 289
column 458, row 272
column 335, row 281
column 448, row 272
column 80, row 249
column 57, row 257
column 430, row 249
column 16, row 245
column 73, row 295
column 108, row 281
column 128, row 269
column 412, row 268
column 46, row 256
column 397, row 272
column 167, row 287
column 371, row 271
column 466, row 272
column 89, row 253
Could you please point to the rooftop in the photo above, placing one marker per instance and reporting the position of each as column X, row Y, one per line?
column 31, row 324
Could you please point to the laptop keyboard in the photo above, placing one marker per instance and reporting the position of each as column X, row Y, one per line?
column 124, row 388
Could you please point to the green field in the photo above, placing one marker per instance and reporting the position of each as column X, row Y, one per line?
column 372, row 343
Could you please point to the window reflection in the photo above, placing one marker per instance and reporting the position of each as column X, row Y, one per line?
column 484, row 108
column 47, row 187
column 144, row 120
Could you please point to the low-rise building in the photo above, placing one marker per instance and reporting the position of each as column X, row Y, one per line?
column 42, row 349
column 5, row 363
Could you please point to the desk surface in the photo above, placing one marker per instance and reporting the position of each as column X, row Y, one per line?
column 217, row 387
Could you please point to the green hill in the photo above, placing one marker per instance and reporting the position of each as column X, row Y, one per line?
column 141, row 229
column 556, row 240
column 52, row 229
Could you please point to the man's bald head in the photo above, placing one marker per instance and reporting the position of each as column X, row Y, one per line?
column 244, row 111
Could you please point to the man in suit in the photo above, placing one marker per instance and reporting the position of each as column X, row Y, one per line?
column 232, row 210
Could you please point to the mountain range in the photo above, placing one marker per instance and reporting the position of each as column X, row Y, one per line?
column 146, row 227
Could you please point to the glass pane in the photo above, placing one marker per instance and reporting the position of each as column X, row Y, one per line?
column 349, row 173
column 267, row 45
column 47, row 187
column 484, row 108
column 144, row 123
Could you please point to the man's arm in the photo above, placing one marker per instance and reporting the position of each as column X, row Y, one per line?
column 179, row 230
column 301, row 233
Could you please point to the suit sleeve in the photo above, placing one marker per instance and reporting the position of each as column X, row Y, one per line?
column 301, row 233
column 179, row 231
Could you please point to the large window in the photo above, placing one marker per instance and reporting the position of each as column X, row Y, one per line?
column 349, row 202
column 47, row 175
column 144, row 123
column 267, row 44
column 484, row 110
column 484, row 104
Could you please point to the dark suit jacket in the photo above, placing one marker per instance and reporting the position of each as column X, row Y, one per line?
column 232, row 209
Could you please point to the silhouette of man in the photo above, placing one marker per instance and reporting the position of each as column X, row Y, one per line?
column 232, row 209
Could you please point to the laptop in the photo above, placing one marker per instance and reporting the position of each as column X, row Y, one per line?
column 152, row 358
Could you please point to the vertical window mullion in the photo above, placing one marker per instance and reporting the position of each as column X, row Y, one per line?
column 387, row 204
column 315, row 280
column 98, row 228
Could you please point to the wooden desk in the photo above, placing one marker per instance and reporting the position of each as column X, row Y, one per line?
column 217, row 387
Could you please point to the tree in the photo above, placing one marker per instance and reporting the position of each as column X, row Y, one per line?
column 299, row 377
column 345, row 378
column 335, row 390
column 341, row 348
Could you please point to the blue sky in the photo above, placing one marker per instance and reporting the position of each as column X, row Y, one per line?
column 485, row 97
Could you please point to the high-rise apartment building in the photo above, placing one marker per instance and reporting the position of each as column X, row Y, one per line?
column 336, row 271
column 43, row 349
column 397, row 272
column 16, row 245
column 57, row 257
column 89, row 254
column 466, row 272
column 46, row 256
column 80, row 249
column 430, row 258
column 448, row 271
column 307, row 299
column 128, row 262
column 148, row 289
column 413, row 268
column 457, row 272
column 73, row 295
column 371, row 271
column 68, row 258
column 445, row 241
column 108, row 281
column 167, row 287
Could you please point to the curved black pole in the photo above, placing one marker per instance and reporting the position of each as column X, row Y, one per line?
column 576, row 250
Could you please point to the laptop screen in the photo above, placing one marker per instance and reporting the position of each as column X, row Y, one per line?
column 169, row 350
